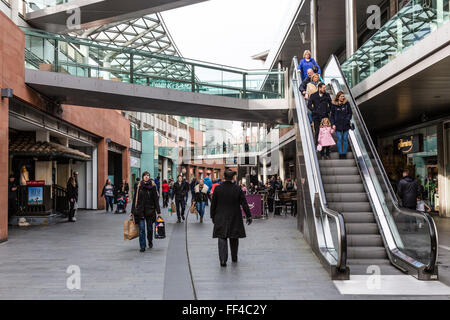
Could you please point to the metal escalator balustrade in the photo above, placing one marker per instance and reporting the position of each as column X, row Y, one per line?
column 410, row 237
column 87, row 58
column 415, row 21
column 325, row 227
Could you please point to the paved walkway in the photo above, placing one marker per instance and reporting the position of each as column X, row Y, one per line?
column 274, row 263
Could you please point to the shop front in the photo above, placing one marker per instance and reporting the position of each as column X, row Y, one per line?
column 417, row 150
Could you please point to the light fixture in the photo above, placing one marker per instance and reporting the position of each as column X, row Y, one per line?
column 7, row 93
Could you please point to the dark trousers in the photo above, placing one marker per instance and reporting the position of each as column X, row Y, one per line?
column 145, row 222
column 223, row 249
column 270, row 202
column 325, row 151
column 181, row 206
column 71, row 210
column 165, row 199
column 109, row 202
column 12, row 207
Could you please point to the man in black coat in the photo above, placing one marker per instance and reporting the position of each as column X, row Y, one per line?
column 227, row 216
column 305, row 82
column 180, row 188
column 320, row 105
column 408, row 190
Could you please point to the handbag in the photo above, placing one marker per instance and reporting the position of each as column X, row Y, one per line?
column 173, row 207
column 130, row 229
column 352, row 126
column 193, row 209
column 160, row 230
column 319, row 147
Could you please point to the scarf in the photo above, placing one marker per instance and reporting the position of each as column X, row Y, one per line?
column 147, row 185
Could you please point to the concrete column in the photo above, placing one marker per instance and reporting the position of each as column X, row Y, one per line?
column 281, row 167
column 102, row 171
column 350, row 27
column 314, row 29
column 165, row 167
column 15, row 10
column 264, row 173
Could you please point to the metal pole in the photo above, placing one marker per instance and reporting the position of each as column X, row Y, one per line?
column 131, row 68
column 244, row 86
column 56, row 58
column 193, row 78
column 314, row 35
column 351, row 31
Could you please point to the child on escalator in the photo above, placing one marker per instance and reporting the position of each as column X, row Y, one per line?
column 325, row 139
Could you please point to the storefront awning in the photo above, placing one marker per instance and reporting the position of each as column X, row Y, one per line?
column 26, row 146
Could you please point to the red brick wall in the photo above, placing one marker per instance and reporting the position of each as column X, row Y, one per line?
column 101, row 122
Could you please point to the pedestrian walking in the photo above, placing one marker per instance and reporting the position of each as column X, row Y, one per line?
column 201, row 196
column 227, row 217
column 72, row 197
column 305, row 82
column 188, row 187
column 165, row 193
column 193, row 183
column 325, row 139
column 12, row 196
column 408, row 190
column 108, row 193
column 179, row 191
column 308, row 63
column 145, row 208
column 341, row 116
column 320, row 105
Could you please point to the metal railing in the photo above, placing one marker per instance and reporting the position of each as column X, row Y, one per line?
column 330, row 225
column 81, row 57
column 414, row 22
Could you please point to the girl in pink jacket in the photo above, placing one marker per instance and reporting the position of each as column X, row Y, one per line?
column 325, row 139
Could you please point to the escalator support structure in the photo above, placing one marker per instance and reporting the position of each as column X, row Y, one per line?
column 348, row 211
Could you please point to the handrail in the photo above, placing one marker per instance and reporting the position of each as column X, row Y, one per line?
column 430, row 267
column 318, row 185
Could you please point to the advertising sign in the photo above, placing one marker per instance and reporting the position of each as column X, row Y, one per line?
column 35, row 195
column 255, row 204
column 409, row 144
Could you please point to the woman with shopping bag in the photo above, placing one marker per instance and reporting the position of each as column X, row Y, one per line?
column 145, row 208
column 201, row 196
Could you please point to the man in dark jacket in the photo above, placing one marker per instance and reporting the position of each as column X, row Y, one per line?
column 144, row 209
column 12, row 196
column 179, row 190
column 408, row 190
column 227, row 217
column 305, row 82
column 320, row 105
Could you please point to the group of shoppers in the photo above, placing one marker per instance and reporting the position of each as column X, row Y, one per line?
column 328, row 116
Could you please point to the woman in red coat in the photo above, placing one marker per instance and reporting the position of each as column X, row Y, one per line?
column 165, row 193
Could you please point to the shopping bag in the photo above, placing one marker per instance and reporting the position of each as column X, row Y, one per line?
column 130, row 229
column 193, row 209
column 319, row 147
column 160, row 229
column 173, row 207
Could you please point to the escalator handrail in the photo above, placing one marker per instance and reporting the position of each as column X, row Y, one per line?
column 337, row 216
column 432, row 225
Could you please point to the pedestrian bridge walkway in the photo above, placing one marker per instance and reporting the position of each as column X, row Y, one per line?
column 274, row 263
column 83, row 72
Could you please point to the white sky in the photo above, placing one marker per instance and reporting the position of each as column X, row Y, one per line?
column 228, row 32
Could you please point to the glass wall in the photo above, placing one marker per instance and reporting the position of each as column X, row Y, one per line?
column 416, row 150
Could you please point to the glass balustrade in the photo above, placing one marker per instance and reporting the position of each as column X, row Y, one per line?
column 86, row 58
column 411, row 24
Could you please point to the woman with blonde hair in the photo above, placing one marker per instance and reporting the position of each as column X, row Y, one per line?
column 312, row 86
column 308, row 63
column 341, row 116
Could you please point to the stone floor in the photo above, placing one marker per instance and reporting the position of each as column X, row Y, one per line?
column 274, row 262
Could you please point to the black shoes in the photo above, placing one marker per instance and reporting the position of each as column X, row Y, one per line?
column 178, row 220
column 342, row 156
column 150, row 245
column 142, row 250
column 223, row 264
column 182, row 217
column 235, row 260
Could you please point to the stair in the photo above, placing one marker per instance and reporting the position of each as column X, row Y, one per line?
column 346, row 194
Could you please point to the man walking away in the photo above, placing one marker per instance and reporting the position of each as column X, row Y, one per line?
column 227, row 217
column 180, row 190
column 320, row 105
column 408, row 191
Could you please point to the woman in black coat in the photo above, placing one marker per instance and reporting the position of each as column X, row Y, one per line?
column 72, row 195
column 341, row 115
column 144, row 209
column 227, row 216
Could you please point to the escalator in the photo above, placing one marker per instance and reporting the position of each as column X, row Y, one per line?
column 348, row 211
